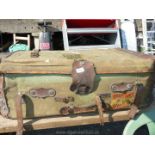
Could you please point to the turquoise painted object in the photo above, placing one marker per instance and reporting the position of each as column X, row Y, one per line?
column 145, row 118
column 18, row 47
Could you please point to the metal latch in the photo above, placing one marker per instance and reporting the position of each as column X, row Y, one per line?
column 64, row 99
column 35, row 54
column 122, row 87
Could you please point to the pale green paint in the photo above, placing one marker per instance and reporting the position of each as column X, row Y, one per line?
column 145, row 118
column 36, row 107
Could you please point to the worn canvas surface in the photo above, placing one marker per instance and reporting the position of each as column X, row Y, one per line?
column 105, row 61
column 52, row 70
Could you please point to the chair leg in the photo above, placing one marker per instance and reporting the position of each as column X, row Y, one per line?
column 130, row 128
column 145, row 118
column 151, row 128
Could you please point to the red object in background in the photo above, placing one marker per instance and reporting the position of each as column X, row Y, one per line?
column 91, row 23
column 45, row 46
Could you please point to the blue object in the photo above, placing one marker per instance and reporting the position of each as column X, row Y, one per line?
column 145, row 118
column 18, row 47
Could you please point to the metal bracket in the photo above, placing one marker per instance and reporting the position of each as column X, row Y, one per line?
column 64, row 99
column 122, row 87
column 42, row 92
column 35, row 54
column 70, row 109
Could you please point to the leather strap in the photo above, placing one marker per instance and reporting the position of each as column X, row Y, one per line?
column 133, row 111
column 83, row 77
column 4, row 111
column 100, row 109
column 134, row 107
column 19, row 114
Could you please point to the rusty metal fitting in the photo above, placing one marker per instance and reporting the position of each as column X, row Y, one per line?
column 35, row 53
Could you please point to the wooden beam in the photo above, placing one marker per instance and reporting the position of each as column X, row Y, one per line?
column 8, row 125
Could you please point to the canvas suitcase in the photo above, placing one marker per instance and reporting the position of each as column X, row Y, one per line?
column 54, row 83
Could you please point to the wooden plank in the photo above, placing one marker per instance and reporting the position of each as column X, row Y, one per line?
column 8, row 125
column 21, row 38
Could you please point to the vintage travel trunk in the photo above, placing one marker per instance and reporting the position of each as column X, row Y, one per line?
column 54, row 83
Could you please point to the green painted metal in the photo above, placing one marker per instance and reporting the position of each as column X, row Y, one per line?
column 145, row 118
column 151, row 128
column 18, row 47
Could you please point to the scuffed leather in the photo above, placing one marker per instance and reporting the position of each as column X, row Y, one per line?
column 83, row 75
